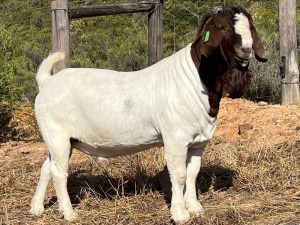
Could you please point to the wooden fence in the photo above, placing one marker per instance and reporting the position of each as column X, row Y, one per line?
column 61, row 15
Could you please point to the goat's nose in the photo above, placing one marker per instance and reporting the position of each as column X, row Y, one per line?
column 246, row 50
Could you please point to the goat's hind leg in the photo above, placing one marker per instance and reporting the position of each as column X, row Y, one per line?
column 60, row 149
column 37, row 203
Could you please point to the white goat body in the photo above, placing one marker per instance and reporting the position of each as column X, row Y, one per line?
column 173, row 103
column 118, row 113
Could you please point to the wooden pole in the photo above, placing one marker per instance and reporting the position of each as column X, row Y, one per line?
column 155, row 31
column 115, row 9
column 61, row 14
column 60, row 32
column 288, row 53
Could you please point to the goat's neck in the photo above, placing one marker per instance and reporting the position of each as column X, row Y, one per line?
column 211, row 70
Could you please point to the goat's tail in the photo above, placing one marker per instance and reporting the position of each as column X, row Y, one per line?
column 44, row 71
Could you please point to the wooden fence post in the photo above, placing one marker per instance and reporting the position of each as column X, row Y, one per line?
column 288, row 53
column 60, row 32
column 155, row 31
column 61, row 14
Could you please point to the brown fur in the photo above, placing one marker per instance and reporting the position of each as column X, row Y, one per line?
column 216, row 59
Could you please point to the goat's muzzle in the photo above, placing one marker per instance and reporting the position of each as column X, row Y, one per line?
column 242, row 56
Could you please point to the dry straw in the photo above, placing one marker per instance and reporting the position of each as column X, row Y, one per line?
column 241, row 181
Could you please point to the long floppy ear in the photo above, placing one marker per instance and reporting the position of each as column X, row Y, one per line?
column 210, row 37
column 258, row 46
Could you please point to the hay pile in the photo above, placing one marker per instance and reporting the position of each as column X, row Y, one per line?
column 250, row 175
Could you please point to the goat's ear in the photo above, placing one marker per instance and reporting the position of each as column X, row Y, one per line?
column 258, row 46
column 210, row 36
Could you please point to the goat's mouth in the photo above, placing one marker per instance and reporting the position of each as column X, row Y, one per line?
column 242, row 57
column 242, row 61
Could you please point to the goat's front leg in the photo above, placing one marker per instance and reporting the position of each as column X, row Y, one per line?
column 176, row 162
column 193, row 167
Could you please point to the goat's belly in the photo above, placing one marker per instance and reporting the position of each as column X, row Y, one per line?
column 112, row 151
column 118, row 139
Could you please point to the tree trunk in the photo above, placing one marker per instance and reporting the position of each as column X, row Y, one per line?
column 288, row 53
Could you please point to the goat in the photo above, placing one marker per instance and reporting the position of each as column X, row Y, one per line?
column 173, row 103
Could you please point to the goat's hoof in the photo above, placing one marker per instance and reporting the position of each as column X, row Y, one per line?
column 37, row 210
column 70, row 216
column 195, row 208
column 102, row 160
column 181, row 216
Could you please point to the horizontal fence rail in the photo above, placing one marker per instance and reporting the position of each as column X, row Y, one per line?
column 105, row 10
column 62, row 14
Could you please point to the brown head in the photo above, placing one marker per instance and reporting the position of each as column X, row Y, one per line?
column 225, row 42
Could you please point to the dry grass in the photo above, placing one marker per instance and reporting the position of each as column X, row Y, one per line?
column 19, row 123
column 242, row 181
column 236, row 185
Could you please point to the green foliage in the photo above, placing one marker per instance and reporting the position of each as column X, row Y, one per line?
column 265, row 84
column 119, row 42
column 9, row 93
column 112, row 42
column 266, row 80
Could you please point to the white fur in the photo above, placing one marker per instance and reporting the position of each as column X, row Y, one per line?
column 118, row 113
column 46, row 66
column 242, row 27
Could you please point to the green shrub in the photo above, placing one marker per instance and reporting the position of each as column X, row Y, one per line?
column 9, row 92
column 265, row 84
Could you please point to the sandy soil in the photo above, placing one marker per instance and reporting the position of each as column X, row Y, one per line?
column 241, row 124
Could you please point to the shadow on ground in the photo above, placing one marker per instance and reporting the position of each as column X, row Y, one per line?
column 216, row 177
column 107, row 187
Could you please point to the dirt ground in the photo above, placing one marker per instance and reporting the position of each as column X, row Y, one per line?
column 250, row 175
